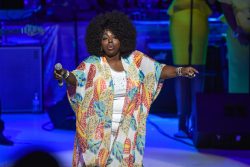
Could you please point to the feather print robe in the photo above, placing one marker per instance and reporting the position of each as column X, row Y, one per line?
column 92, row 102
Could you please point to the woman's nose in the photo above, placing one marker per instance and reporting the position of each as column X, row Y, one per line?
column 110, row 40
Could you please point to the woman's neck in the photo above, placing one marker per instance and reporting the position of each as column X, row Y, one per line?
column 115, row 63
column 113, row 59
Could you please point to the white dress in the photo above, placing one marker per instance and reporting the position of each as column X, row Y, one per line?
column 119, row 81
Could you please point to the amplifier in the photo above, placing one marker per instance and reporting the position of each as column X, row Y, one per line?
column 21, row 78
column 221, row 117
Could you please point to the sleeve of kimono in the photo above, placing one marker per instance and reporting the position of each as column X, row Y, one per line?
column 76, row 93
column 151, row 70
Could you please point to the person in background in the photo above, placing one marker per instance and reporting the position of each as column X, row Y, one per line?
column 111, row 92
column 3, row 139
column 180, row 23
column 237, row 16
column 36, row 157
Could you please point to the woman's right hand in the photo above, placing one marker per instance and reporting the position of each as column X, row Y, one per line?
column 64, row 74
column 58, row 74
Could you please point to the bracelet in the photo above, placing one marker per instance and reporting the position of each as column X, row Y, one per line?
column 66, row 75
column 178, row 71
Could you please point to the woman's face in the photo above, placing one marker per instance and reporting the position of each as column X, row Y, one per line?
column 110, row 44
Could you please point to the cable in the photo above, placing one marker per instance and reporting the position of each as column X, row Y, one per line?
column 44, row 126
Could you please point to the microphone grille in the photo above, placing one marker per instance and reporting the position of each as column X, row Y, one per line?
column 58, row 66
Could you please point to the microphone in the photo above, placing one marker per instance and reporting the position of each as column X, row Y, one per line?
column 58, row 68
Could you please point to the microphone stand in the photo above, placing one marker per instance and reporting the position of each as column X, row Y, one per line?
column 190, row 50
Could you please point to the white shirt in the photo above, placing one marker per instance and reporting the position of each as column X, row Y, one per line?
column 120, row 83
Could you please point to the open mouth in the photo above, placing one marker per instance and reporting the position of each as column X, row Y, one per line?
column 110, row 47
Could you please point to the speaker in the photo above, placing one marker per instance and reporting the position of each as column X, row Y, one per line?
column 62, row 116
column 221, row 120
column 21, row 78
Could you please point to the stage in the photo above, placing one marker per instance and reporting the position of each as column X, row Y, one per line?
column 34, row 132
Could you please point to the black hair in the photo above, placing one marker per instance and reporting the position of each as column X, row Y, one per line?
column 119, row 24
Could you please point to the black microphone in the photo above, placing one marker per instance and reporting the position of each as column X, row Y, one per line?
column 58, row 68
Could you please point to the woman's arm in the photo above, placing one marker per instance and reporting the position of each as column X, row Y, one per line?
column 171, row 72
column 229, row 15
column 239, row 33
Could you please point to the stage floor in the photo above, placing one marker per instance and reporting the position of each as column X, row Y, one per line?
column 162, row 149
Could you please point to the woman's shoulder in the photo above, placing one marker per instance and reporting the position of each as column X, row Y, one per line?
column 88, row 62
column 137, row 53
column 92, row 59
column 136, row 57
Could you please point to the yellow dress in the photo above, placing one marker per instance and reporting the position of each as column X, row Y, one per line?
column 179, row 12
column 238, row 55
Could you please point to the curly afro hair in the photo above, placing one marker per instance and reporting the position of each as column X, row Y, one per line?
column 119, row 24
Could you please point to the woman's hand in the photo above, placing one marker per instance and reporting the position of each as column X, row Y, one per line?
column 189, row 72
column 59, row 74
column 171, row 72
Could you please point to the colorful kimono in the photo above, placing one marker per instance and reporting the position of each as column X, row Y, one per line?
column 92, row 101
